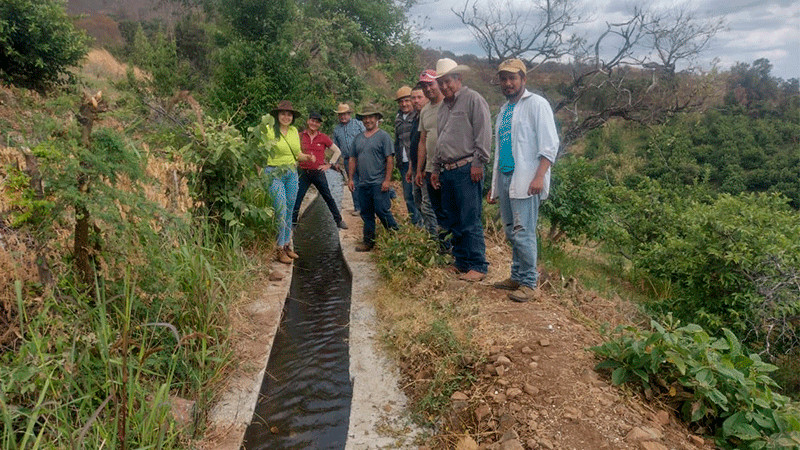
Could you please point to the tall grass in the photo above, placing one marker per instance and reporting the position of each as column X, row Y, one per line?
column 101, row 372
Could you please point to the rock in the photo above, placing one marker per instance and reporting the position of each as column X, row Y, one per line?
column 513, row 392
column 512, row 444
column 500, row 398
column 387, row 408
column 544, row 342
column 697, row 440
column 490, row 369
column 182, row 411
column 503, row 360
column 500, row 369
column 275, row 276
column 459, row 396
column 661, row 417
column 466, row 443
column 509, row 435
column 533, row 365
column 546, row 443
column 650, row 445
column 526, row 350
column 495, row 349
column 514, row 407
column 643, row 434
column 502, row 382
column 481, row 412
column 530, row 389
column 571, row 413
column 507, row 422
column 535, row 358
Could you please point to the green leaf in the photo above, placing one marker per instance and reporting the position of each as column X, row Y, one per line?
column 619, row 376
column 737, row 426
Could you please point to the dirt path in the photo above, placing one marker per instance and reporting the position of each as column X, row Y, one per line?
column 537, row 388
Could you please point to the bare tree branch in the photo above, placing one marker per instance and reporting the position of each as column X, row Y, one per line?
column 536, row 34
column 627, row 71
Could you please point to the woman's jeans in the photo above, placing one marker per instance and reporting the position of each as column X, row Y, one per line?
column 283, row 190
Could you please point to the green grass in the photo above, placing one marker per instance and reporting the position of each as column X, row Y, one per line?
column 100, row 372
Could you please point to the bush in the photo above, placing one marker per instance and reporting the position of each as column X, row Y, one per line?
column 408, row 251
column 38, row 42
column 711, row 381
column 730, row 262
column 225, row 180
column 578, row 203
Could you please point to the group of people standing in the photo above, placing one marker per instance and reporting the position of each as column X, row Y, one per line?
column 442, row 143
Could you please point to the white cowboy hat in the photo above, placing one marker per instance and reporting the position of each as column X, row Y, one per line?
column 447, row 66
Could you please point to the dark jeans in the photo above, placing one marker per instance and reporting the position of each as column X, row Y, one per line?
column 375, row 202
column 318, row 179
column 441, row 219
column 355, row 182
column 408, row 196
column 462, row 201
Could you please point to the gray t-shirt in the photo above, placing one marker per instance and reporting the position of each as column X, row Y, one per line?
column 371, row 153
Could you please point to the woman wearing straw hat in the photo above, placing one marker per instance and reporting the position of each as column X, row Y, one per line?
column 281, row 163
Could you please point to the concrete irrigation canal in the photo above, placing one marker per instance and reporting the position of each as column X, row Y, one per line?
column 306, row 393
column 313, row 375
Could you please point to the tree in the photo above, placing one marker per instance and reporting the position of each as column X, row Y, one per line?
column 537, row 33
column 38, row 42
column 627, row 70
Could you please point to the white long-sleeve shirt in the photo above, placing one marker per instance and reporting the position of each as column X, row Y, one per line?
column 533, row 135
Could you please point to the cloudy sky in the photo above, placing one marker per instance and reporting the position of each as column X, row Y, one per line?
column 754, row 29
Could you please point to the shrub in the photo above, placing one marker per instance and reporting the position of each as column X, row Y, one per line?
column 38, row 42
column 225, row 180
column 730, row 262
column 408, row 251
column 711, row 381
column 578, row 203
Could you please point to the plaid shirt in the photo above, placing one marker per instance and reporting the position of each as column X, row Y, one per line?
column 402, row 135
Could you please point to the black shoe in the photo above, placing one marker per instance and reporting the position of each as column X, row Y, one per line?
column 342, row 225
column 362, row 247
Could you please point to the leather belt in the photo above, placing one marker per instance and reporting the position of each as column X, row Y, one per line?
column 458, row 163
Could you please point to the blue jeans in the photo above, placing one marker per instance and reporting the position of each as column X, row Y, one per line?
column 519, row 216
column 462, row 202
column 283, row 190
column 408, row 196
column 375, row 202
column 423, row 202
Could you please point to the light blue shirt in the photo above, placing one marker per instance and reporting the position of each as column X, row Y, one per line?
column 533, row 136
column 344, row 135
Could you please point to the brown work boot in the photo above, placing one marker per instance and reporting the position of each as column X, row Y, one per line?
column 451, row 268
column 282, row 257
column 523, row 294
column 472, row 276
column 507, row 284
column 363, row 247
column 290, row 253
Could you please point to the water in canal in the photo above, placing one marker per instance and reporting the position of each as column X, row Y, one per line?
column 306, row 392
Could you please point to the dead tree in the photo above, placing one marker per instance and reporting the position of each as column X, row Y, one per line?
column 626, row 71
column 90, row 109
